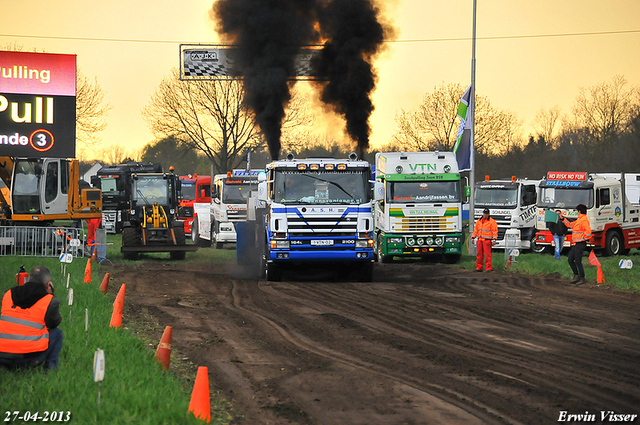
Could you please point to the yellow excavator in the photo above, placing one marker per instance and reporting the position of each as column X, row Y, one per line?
column 38, row 191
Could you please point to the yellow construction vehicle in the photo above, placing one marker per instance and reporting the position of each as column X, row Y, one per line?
column 42, row 190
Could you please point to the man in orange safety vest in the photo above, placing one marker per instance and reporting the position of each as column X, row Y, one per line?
column 486, row 230
column 29, row 319
column 580, row 234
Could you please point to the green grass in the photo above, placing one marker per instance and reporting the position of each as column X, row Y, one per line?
column 134, row 390
column 536, row 264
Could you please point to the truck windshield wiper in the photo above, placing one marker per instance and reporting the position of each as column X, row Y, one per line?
column 330, row 182
column 146, row 201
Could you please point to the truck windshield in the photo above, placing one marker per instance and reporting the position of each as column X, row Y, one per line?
column 408, row 191
column 26, row 180
column 188, row 189
column 496, row 197
column 150, row 189
column 235, row 190
column 554, row 197
column 109, row 185
column 321, row 187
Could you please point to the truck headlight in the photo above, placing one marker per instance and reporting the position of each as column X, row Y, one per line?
column 411, row 241
column 279, row 244
column 420, row 241
column 394, row 240
column 438, row 240
column 429, row 241
column 364, row 243
column 452, row 239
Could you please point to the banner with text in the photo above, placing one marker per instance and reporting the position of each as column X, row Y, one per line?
column 37, row 104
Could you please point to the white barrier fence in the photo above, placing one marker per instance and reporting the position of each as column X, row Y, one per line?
column 42, row 241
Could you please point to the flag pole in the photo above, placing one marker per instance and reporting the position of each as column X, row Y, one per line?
column 472, row 104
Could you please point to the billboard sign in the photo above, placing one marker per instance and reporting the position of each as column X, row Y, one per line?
column 217, row 62
column 37, row 104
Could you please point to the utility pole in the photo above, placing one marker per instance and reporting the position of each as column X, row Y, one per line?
column 472, row 104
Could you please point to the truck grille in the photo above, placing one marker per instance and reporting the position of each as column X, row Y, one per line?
column 322, row 226
column 109, row 221
column 423, row 224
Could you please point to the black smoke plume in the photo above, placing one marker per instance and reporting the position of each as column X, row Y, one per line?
column 354, row 37
column 268, row 34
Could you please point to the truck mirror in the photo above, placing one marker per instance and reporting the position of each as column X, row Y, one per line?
column 262, row 191
column 378, row 191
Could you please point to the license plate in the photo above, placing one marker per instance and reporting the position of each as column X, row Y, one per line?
column 321, row 242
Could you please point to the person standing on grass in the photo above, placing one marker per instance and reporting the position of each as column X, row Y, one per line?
column 580, row 234
column 29, row 319
column 486, row 230
column 558, row 230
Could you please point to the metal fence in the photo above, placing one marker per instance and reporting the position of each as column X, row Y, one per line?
column 42, row 241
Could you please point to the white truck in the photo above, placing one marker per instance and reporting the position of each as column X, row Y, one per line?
column 214, row 223
column 512, row 204
column 318, row 211
column 615, row 220
column 420, row 207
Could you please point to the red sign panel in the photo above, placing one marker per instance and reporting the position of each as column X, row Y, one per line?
column 563, row 175
column 37, row 73
column 37, row 104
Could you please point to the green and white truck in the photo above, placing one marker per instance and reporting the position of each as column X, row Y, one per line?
column 420, row 214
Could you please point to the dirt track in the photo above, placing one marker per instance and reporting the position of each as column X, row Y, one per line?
column 422, row 344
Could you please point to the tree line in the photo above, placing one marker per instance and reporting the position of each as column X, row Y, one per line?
column 202, row 123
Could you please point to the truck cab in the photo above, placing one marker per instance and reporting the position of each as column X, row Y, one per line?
column 318, row 210
column 420, row 209
column 615, row 221
column 115, row 182
column 512, row 204
column 229, row 197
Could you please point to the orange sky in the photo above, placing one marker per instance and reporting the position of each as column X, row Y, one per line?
column 525, row 59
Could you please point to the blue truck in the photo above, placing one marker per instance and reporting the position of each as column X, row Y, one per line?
column 317, row 210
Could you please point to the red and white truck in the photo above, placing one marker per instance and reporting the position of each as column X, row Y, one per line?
column 615, row 220
column 213, row 222
column 195, row 190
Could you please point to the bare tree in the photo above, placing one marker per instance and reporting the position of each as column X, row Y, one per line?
column 607, row 109
column 91, row 111
column 210, row 116
column 434, row 124
column 545, row 123
column 115, row 154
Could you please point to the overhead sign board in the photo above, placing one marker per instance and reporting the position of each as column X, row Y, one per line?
column 37, row 104
column 218, row 62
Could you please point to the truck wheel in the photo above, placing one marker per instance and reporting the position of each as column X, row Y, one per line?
column 273, row 272
column 195, row 234
column 366, row 273
column 180, row 241
column 613, row 245
column 534, row 247
column 452, row 258
column 381, row 257
column 214, row 236
column 130, row 237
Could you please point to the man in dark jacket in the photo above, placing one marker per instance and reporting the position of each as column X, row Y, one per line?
column 558, row 230
column 29, row 319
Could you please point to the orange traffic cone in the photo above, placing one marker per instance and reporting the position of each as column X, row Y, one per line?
column 87, row 271
column 200, row 404
column 163, row 353
column 506, row 266
column 116, row 316
column 104, row 286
